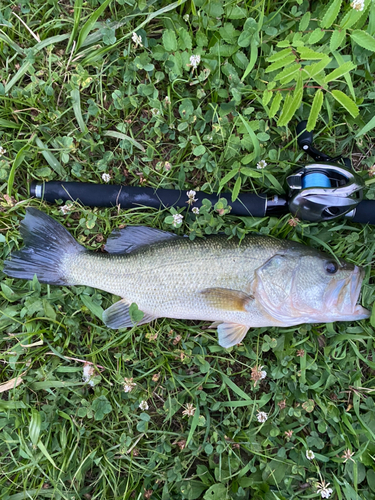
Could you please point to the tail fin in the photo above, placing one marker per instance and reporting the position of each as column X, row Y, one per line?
column 47, row 244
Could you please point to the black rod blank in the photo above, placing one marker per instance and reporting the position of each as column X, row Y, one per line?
column 106, row 195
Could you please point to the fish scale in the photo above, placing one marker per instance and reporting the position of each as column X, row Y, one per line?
column 260, row 281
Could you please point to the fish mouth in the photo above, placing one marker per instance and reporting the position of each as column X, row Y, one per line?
column 344, row 296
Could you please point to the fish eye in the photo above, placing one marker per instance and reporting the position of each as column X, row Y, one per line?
column 331, row 267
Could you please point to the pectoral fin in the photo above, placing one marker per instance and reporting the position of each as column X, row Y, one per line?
column 118, row 316
column 227, row 299
column 231, row 334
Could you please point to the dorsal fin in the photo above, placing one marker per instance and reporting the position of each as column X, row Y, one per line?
column 134, row 237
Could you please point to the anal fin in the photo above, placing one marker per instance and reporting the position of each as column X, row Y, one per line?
column 231, row 334
column 118, row 316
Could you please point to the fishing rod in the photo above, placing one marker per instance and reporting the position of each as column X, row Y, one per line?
column 324, row 190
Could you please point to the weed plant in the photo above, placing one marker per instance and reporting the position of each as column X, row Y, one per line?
column 188, row 95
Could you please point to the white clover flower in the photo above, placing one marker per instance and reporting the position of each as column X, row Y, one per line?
column 191, row 195
column 310, row 455
column 261, row 164
column 129, row 385
column 143, row 405
column 177, row 219
column 106, row 177
column 137, row 39
column 257, row 374
column 88, row 373
column 155, row 111
column 65, row 209
column 323, row 489
column 186, row 18
column 348, row 455
column 167, row 100
column 2, row 151
column 195, row 60
column 195, row 210
column 358, row 5
column 262, row 416
column 190, row 410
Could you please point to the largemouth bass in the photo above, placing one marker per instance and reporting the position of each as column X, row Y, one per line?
column 259, row 282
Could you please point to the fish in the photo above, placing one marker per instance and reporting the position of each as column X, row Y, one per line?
column 259, row 281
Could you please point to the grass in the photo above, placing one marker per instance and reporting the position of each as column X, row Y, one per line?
column 79, row 99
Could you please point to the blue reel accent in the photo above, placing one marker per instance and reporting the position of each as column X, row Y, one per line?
column 315, row 179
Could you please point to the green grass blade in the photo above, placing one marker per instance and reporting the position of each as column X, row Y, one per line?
column 43, row 449
column 340, row 62
column 91, row 306
column 96, row 36
column 253, row 137
column 5, row 38
column 228, row 177
column 8, row 124
column 53, row 384
column 17, row 162
column 120, row 135
column 369, row 126
column 228, row 382
column 237, row 404
column 236, row 189
column 77, row 18
column 20, row 73
column 95, row 55
column 194, row 424
column 88, row 26
column 50, row 158
column 76, row 101
column 253, row 59
column 159, row 13
column 53, row 40
column 27, row 494
column 35, row 426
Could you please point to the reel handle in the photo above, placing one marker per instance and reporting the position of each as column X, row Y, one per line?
column 305, row 140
